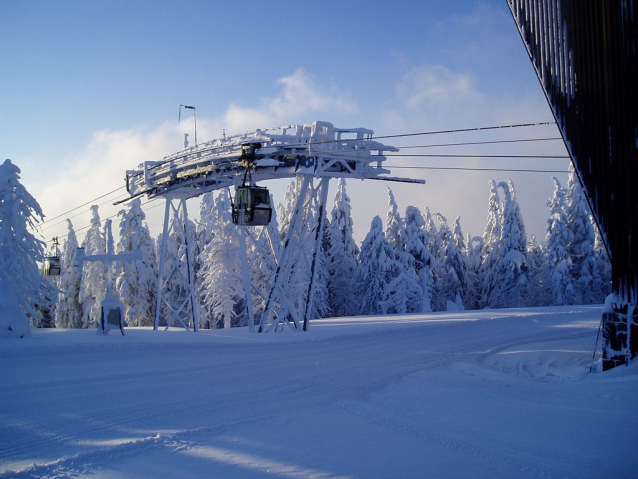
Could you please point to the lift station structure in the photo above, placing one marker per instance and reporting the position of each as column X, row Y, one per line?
column 314, row 153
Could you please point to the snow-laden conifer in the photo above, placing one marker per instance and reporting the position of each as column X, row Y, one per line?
column 414, row 242
column 342, row 255
column 581, row 248
column 510, row 274
column 393, row 222
column 68, row 314
column 538, row 284
column 455, row 266
column 374, row 273
column 23, row 288
column 491, row 240
column 559, row 236
column 382, row 283
column 473, row 261
column 94, row 274
column 222, row 270
column 136, row 281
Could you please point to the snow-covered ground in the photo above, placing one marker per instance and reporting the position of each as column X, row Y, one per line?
column 494, row 394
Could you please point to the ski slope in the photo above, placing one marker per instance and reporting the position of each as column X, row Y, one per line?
column 492, row 394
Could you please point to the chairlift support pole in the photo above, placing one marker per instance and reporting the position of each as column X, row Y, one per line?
column 176, row 216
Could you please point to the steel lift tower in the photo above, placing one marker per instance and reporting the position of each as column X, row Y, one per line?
column 313, row 153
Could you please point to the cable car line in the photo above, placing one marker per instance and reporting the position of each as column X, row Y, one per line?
column 77, row 207
column 480, row 143
column 477, row 156
column 462, row 168
column 76, row 215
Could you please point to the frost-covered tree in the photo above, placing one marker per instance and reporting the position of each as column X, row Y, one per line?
column 559, row 237
column 393, row 222
column 94, row 274
column 491, row 240
column 222, row 281
column 538, row 285
column 375, row 271
column 136, row 281
column 511, row 267
column 454, row 266
column 383, row 284
column 414, row 242
column 581, row 248
column 601, row 285
column 473, row 261
column 68, row 314
column 342, row 255
column 23, row 288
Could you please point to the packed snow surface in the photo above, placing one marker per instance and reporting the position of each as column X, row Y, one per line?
column 493, row 394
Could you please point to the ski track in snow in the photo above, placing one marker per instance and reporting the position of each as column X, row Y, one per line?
column 476, row 393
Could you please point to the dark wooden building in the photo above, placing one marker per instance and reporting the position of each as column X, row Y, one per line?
column 584, row 52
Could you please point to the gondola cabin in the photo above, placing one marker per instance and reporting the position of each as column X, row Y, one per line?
column 252, row 206
column 51, row 266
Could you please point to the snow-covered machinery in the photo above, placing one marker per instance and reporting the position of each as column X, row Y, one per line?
column 315, row 150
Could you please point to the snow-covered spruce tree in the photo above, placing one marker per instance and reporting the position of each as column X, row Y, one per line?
column 601, row 286
column 342, row 255
column 434, row 247
column 559, row 236
column 446, row 278
column 393, row 222
column 136, row 281
column 474, row 283
column 208, row 219
column 538, row 284
column 455, row 262
column 414, row 243
column 285, row 212
column 374, row 273
column 23, row 288
column 491, row 241
column 382, row 284
column 221, row 269
column 94, row 274
column 68, row 314
column 581, row 249
column 511, row 267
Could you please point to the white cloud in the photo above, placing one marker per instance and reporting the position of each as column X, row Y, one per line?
column 299, row 97
column 435, row 85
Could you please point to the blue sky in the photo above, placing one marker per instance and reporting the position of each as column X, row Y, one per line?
column 91, row 89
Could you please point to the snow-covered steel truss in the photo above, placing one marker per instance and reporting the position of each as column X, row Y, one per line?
column 314, row 150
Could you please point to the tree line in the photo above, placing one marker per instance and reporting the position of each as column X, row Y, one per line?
column 412, row 263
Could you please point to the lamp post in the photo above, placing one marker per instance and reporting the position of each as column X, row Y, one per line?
column 194, row 116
